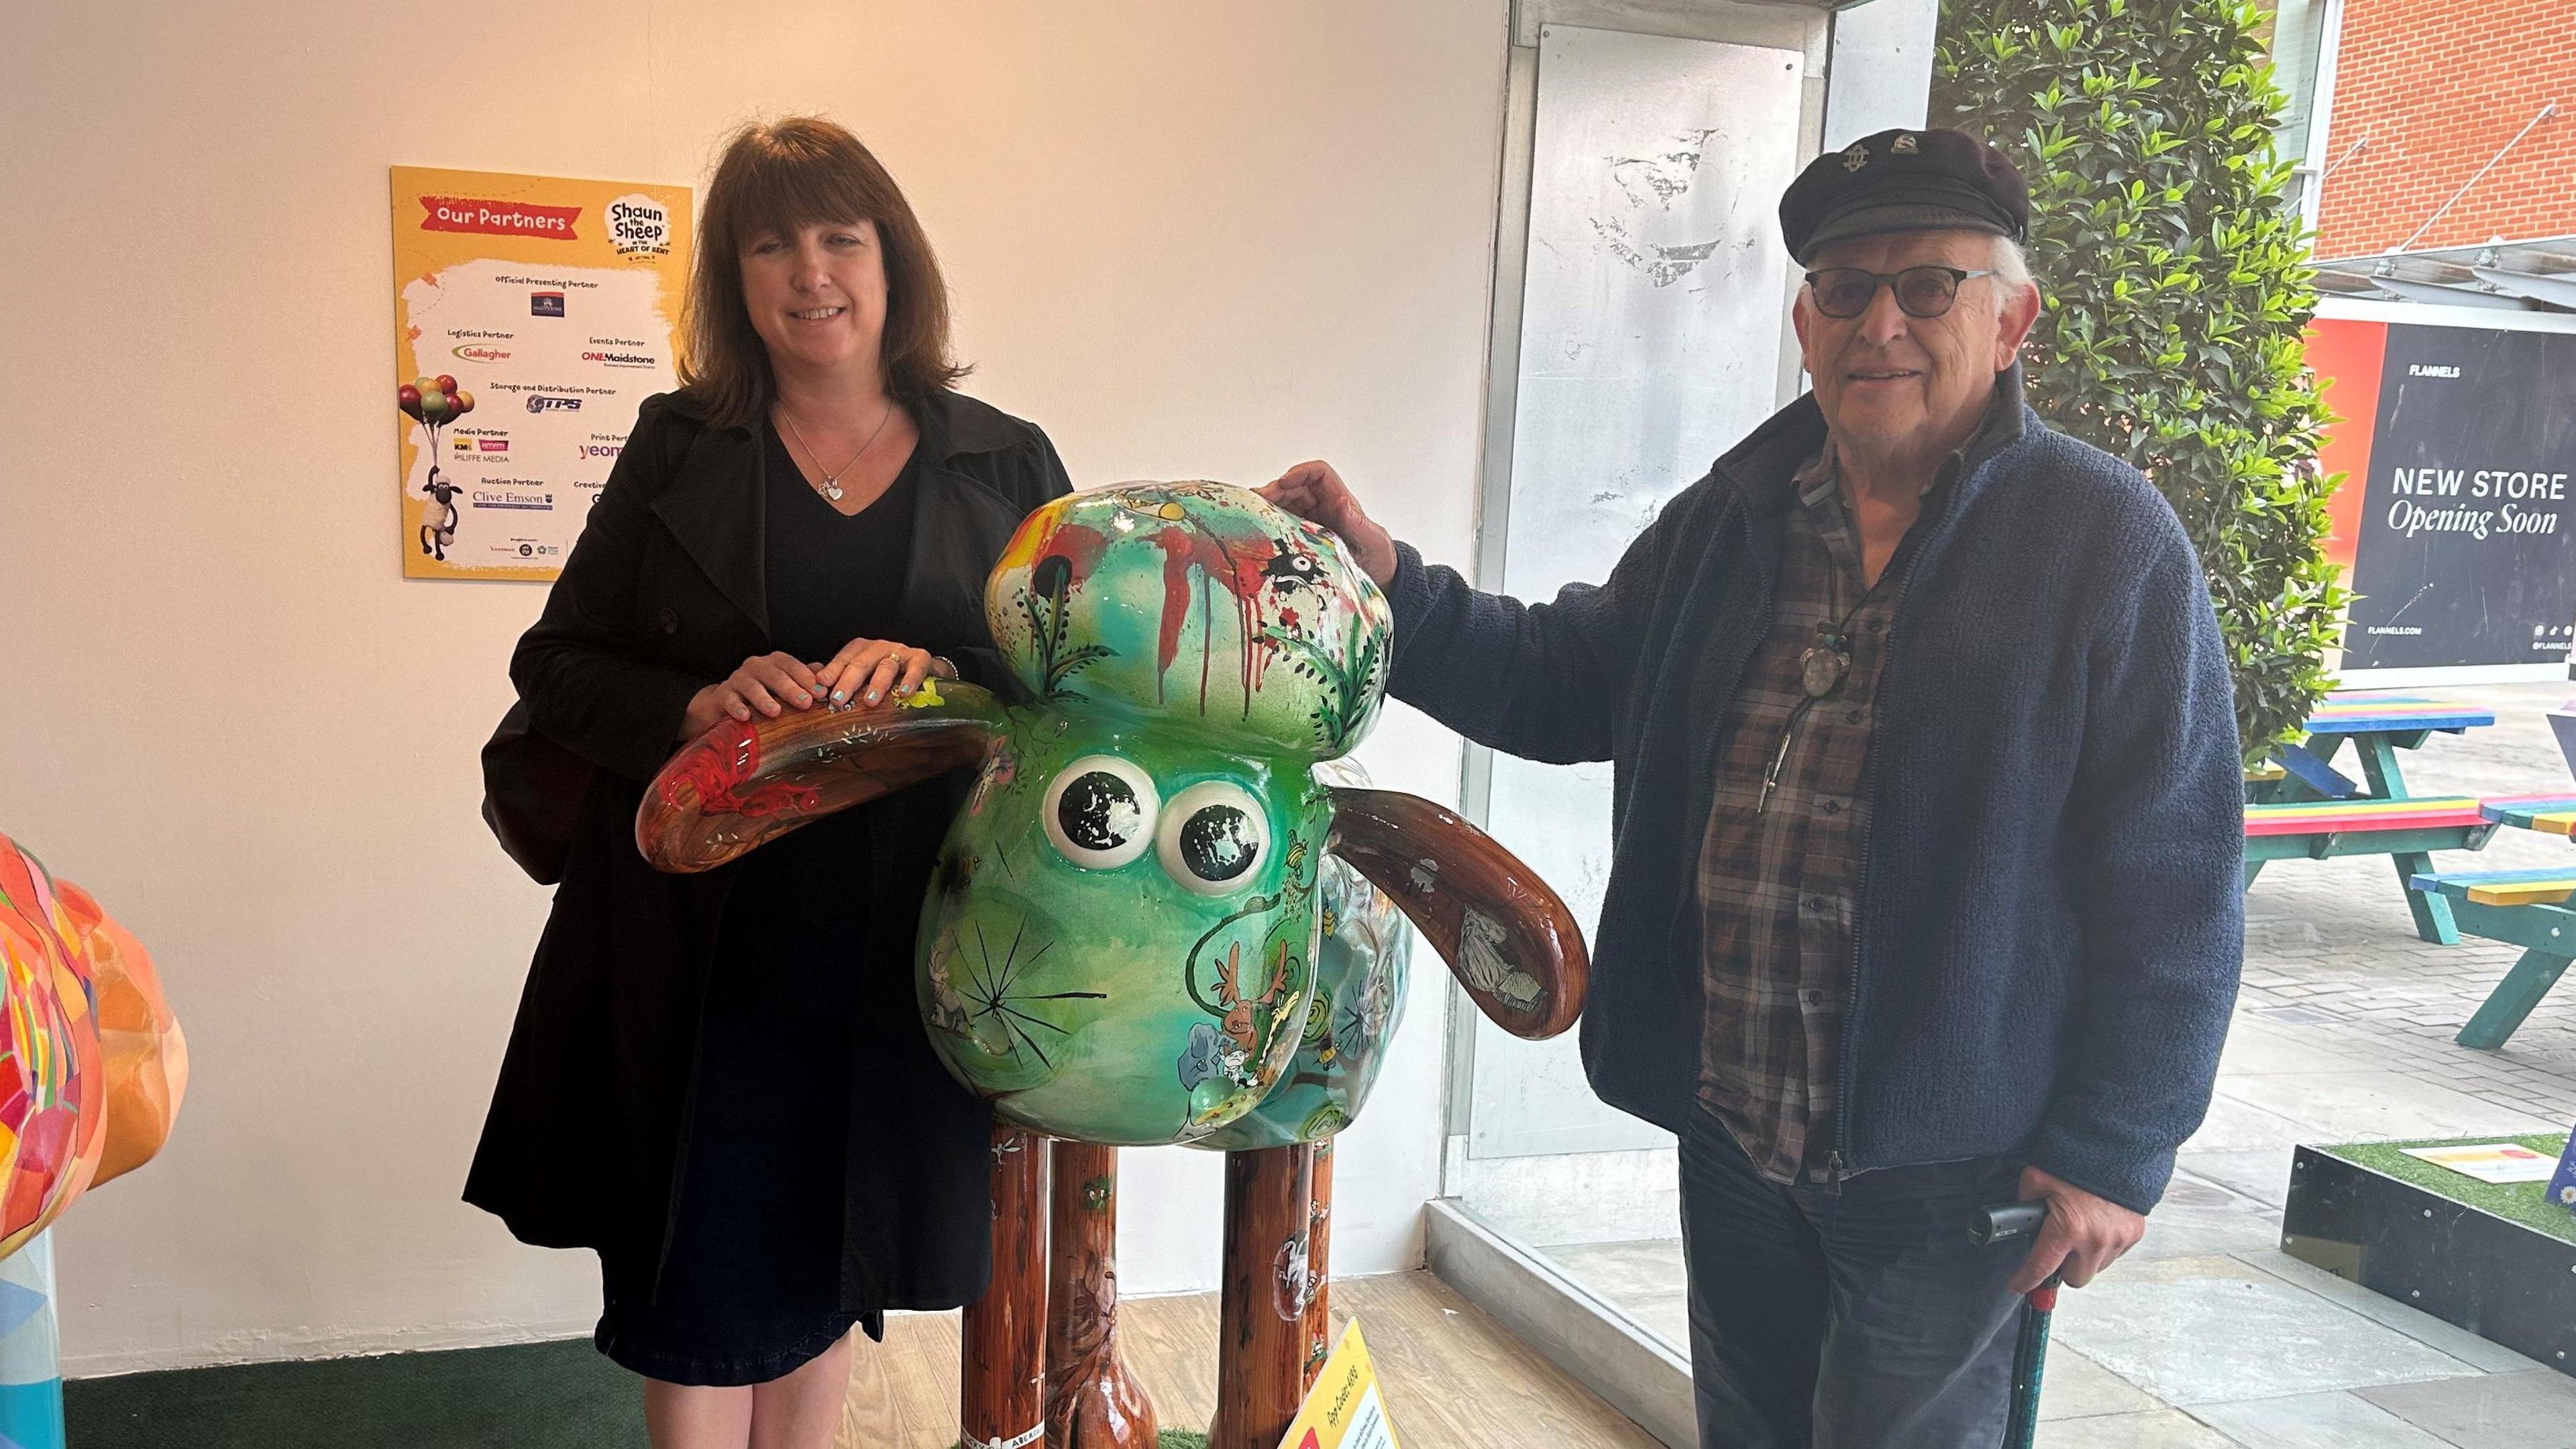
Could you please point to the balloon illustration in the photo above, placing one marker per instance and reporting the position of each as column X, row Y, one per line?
column 434, row 402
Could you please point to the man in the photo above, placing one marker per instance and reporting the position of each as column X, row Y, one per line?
column 1924, row 890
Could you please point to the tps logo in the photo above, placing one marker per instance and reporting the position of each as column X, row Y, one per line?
column 477, row 352
column 543, row 403
column 639, row 227
column 545, row 304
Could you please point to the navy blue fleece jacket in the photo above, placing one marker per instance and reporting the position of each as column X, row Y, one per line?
column 2051, row 917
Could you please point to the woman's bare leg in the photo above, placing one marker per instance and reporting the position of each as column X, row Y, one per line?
column 802, row 1410
column 692, row 1416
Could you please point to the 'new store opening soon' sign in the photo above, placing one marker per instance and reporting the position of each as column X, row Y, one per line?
column 2456, row 522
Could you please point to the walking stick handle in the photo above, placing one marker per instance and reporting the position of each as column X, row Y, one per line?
column 2004, row 1222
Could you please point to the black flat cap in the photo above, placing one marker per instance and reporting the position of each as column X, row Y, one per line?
column 1929, row 180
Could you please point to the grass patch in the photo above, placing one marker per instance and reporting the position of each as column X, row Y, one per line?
column 2526, row 1203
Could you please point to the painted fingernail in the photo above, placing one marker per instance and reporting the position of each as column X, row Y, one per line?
column 840, row 696
column 872, row 696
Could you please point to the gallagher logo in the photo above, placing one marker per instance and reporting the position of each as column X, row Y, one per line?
column 545, row 304
column 477, row 352
column 621, row 359
column 541, row 403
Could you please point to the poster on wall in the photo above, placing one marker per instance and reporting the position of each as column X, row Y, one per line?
column 531, row 315
column 2455, row 522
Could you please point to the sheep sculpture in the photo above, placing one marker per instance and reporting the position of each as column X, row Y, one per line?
column 1164, row 914
column 92, row 1070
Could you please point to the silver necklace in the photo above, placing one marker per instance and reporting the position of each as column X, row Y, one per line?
column 830, row 487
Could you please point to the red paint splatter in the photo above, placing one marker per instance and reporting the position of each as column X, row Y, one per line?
column 715, row 769
column 1235, row 561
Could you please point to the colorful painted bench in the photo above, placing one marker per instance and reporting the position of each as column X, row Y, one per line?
column 2526, row 908
column 2378, row 725
column 2405, row 829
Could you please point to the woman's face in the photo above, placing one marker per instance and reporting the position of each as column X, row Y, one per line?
column 818, row 298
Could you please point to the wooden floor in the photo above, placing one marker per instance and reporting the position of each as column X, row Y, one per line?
column 1451, row 1377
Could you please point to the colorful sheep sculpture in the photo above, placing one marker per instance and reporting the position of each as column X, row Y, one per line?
column 1165, row 913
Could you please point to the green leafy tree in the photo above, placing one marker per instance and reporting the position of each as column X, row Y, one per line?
column 2179, row 290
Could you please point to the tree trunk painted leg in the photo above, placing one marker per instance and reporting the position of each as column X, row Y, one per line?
column 1261, row 1324
column 1093, row 1402
column 2512, row 1000
column 31, row 1375
column 1319, row 1283
column 2432, row 909
column 1002, row 1379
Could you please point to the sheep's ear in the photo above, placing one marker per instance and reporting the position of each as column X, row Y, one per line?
column 741, row 784
column 1506, row 936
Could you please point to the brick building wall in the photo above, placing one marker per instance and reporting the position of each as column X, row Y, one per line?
column 2438, row 86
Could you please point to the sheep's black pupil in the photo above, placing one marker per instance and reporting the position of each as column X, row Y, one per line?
column 1098, row 811
column 1217, row 842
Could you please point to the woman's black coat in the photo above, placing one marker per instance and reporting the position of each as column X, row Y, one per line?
column 662, row 596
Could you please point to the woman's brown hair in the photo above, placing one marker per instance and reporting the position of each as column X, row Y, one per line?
column 774, row 179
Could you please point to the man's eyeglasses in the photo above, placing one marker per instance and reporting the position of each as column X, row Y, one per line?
column 1920, row 291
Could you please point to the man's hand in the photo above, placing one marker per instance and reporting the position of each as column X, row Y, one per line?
column 1314, row 492
column 2084, row 1234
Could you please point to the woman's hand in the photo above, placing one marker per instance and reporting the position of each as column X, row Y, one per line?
column 867, row 670
column 1314, row 492
column 769, row 684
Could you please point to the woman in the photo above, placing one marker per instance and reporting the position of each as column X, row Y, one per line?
column 720, row 1082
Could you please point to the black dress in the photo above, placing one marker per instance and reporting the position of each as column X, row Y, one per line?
column 800, row 1022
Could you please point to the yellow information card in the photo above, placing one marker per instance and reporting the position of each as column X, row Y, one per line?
column 1342, row 1410
column 531, row 315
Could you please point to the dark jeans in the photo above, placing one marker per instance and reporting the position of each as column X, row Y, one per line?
column 1846, row 1319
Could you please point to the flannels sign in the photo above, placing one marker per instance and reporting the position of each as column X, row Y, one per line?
column 2459, row 445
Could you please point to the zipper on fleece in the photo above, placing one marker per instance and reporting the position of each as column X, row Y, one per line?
column 1836, row 1169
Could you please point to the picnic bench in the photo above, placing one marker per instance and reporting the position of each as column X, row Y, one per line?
column 2311, row 810
column 2526, row 908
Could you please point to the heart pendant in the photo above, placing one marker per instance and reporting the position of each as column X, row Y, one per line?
column 832, row 491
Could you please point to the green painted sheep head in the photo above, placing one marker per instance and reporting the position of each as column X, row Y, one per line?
column 1166, row 910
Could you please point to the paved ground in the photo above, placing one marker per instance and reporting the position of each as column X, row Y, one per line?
column 2208, row 1335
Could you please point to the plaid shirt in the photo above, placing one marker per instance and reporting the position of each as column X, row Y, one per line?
column 1779, row 878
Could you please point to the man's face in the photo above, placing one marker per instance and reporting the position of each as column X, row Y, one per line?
column 1885, row 379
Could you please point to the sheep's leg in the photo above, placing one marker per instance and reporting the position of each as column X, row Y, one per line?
column 1319, row 1241
column 1002, row 1389
column 1093, row 1402
column 1261, row 1324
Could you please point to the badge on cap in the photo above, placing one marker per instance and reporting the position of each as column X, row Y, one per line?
column 1855, row 158
column 1905, row 145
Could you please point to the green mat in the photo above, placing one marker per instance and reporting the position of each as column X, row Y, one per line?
column 560, row 1395
column 2526, row 1203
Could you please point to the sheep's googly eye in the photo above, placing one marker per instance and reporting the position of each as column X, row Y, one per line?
column 1212, row 836
column 1100, row 812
